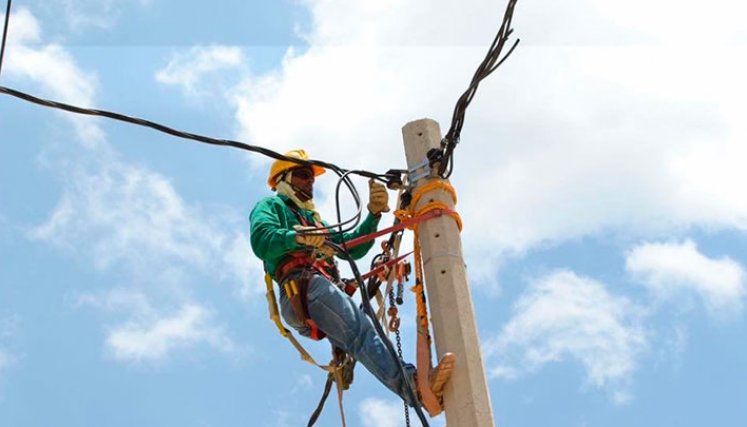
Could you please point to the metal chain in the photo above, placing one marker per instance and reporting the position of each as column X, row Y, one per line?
column 399, row 353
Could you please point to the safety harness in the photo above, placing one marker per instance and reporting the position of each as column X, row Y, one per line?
column 305, row 264
column 301, row 266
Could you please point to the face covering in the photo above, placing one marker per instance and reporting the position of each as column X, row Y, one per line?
column 284, row 187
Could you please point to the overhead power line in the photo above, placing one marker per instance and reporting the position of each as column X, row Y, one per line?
column 5, row 33
column 181, row 134
column 342, row 173
column 491, row 62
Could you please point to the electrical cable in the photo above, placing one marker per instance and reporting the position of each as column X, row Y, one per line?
column 491, row 62
column 5, row 33
column 342, row 250
column 195, row 137
column 345, row 178
column 355, row 219
column 181, row 134
column 165, row 129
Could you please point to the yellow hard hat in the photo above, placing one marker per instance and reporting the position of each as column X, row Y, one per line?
column 280, row 166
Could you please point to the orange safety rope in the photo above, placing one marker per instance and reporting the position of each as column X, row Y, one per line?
column 408, row 214
column 428, row 399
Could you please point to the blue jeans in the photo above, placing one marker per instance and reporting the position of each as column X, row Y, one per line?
column 348, row 328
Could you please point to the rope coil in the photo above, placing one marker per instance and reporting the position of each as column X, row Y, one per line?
column 417, row 194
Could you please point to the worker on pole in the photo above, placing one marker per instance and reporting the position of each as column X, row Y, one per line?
column 313, row 299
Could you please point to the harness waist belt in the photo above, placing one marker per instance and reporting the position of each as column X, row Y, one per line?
column 285, row 268
column 301, row 261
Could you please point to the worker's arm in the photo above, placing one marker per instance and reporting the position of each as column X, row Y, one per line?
column 369, row 225
column 272, row 235
column 378, row 202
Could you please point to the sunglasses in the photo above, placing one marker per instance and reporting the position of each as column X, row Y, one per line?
column 303, row 173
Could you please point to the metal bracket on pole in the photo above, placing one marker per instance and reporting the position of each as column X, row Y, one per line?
column 418, row 172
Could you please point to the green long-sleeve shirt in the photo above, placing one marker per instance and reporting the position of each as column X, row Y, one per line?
column 273, row 237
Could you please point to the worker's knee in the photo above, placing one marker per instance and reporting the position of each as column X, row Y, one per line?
column 286, row 310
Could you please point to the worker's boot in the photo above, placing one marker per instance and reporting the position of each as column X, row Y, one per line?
column 441, row 373
column 431, row 388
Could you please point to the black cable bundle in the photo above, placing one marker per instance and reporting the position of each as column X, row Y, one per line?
column 491, row 62
column 5, row 33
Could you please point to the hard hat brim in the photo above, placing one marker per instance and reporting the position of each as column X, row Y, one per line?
column 283, row 165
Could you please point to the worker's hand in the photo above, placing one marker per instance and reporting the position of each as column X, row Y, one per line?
column 378, row 198
column 325, row 251
column 314, row 239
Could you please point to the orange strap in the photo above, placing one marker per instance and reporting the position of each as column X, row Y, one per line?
column 407, row 214
column 423, row 350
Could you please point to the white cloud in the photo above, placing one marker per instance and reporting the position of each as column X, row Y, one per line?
column 560, row 143
column 719, row 22
column 671, row 270
column 51, row 67
column 128, row 219
column 563, row 316
column 381, row 413
column 113, row 211
column 154, row 328
column 303, row 384
column 187, row 70
column 153, row 339
column 671, row 351
column 131, row 213
column 474, row 22
column 118, row 215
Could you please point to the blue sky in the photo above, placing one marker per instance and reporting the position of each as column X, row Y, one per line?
column 600, row 178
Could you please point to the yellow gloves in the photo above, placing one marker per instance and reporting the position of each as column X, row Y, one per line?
column 325, row 252
column 312, row 239
column 315, row 240
column 378, row 198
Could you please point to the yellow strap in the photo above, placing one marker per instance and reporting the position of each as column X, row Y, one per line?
column 272, row 305
column 275, row 316
column 340, row 389
column 332, row 369
column 381, row 311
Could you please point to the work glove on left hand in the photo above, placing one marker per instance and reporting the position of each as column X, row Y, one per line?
column 325, row 252
column 378, row 198
column 314, row 239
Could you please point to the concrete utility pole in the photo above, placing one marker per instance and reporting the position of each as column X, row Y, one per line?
column 466, row 397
